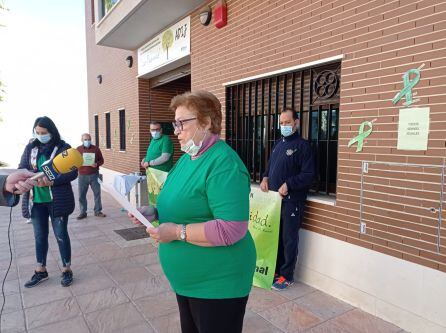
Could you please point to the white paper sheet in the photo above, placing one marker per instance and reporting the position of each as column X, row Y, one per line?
column 125, row 203
column 89, row 159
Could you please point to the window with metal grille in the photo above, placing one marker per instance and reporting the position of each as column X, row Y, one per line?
column 121, row 129
column 96, row 130
column 252, row 119
column 107, row 131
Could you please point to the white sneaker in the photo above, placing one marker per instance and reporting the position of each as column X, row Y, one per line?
column 29, row 221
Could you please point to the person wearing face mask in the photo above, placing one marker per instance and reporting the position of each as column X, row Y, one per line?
column 290, row 172
column 51, row 200
column 160, row 151
column 206, row 250
column 88, row 177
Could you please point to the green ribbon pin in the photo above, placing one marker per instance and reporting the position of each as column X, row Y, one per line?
column 362, row 135
column 408, row 85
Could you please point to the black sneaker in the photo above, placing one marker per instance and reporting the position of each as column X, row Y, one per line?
column 82, row 216
column 67, row 278
column 100, row 214
column 36, row 279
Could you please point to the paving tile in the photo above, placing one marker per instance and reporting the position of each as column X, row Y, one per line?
column 46, row 292
column 118, row 265
column 327, row 327
column 150, row 286
column 12, row 303
column 261, row 299
column 114, row 319
column 289, row 317
column 82, row 260
column 130, row 275
column 73, row 325
column 253, row 323
column 157, row 305
column 145, row 259
column 167, row 324
column 101, row 299
column 52, row 312
column 94, row 242
column 323, row 305
column 156, row 269
column 106, row 251
column 359, row 321
column 297, row 290
column 13, row 322
column 12, row 287
column 139, row 249
column 90, row 278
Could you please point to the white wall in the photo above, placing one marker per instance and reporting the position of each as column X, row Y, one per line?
column 406, row 294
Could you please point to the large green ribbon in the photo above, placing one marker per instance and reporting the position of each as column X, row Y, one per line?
column 362, row 135
column 408, row 85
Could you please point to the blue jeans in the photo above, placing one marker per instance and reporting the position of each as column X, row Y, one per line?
column 40, row 214
column 83, row 182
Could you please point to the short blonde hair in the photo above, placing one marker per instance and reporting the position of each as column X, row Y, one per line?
column 204, row 104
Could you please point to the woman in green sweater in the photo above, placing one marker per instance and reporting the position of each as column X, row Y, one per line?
column 206, row 250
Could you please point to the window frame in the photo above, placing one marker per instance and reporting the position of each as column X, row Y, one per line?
column 252, row 119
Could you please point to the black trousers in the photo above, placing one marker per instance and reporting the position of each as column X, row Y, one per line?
column 291, row 217
column 199, row 315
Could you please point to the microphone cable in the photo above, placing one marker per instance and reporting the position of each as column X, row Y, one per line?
column 9, row 267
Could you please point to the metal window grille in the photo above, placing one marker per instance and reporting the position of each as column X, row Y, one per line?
column 121, row 129
column 107, row 131
column 252, row 119
column 96, row 130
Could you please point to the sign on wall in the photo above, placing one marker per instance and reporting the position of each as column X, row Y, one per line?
column 170, row 45
column 413, row 129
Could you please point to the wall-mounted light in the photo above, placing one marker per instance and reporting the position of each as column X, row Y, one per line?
column 205, row 15
column 99, row 78
column 129, row 61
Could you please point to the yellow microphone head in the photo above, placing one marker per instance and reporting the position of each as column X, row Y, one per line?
column 67, row 161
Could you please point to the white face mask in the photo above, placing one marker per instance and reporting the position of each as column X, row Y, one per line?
column 155, row 134
column 190, row 147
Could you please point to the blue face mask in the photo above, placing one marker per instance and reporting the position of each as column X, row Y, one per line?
column 87, row 143
column 286, row 130
column 44, row 138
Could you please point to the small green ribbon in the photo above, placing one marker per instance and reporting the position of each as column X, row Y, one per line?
column 408, row 85
column 362, row 135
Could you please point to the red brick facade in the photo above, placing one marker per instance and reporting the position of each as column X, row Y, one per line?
column 380, row 41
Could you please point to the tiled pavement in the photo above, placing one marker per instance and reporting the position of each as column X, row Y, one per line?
column 119, row 287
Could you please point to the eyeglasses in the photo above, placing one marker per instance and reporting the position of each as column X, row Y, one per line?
column 178, row 124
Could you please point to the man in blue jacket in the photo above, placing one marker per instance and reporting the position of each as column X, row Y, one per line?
column 290, row 172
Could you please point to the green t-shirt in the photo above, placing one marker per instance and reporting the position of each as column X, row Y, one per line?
column 214, row 186
column 158, row 147
column 41, row 194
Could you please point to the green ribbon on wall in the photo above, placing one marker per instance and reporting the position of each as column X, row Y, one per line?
column 408, row 85
column 361, row 136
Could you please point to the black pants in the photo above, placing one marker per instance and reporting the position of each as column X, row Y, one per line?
column 290, row 220
column 199, row 315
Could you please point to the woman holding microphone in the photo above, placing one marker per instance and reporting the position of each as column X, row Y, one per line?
column 51, row 199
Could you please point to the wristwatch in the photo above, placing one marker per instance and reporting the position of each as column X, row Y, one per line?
column 183, row 236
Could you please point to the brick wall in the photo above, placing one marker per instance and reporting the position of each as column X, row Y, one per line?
column 119, row 90
column 154, row 105
column 380, row 40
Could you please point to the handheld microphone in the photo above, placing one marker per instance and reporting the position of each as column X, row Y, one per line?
column 66, row 161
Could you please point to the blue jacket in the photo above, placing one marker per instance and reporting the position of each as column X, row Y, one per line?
column 291, row 162
column 61, row 191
